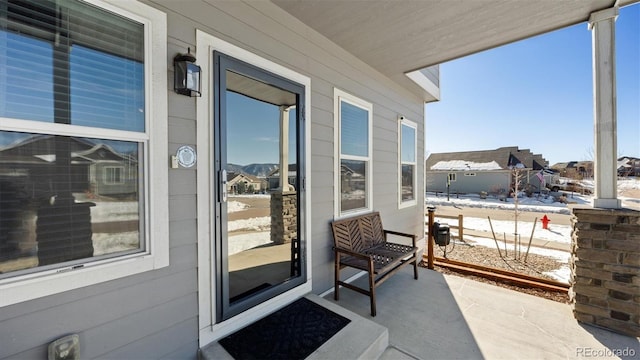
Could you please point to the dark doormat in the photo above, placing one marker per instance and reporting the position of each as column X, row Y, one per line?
column 293, row 332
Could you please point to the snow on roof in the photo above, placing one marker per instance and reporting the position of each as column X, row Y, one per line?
column 465, row 165
column 624, row 163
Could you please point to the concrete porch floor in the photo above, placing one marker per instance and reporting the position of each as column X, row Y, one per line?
column 450, row 317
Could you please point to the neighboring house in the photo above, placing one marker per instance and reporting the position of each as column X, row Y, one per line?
column 628, row 166
column 277, row 78
column 96, row 168
column 273, row 178
column 490, row 171
column 574, row 169
column 250, row 184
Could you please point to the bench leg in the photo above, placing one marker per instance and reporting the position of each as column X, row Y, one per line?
column 372, row 289
column 415, row 269
column 336, row 277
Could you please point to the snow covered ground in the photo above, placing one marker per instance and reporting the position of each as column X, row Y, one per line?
column 541, row 204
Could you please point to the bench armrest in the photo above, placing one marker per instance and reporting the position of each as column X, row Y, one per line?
column 413, row 237
column 352, row 253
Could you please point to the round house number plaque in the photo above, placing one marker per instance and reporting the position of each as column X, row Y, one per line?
column 186, row 156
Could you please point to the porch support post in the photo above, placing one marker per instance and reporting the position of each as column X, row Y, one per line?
column 284, row 149
column 602, row 25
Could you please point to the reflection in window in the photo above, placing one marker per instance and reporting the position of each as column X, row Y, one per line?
column 94, row 76
column 408, row 154
column 353, row 176
column 59, row 201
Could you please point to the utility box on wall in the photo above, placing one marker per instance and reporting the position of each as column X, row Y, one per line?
column 66, row 348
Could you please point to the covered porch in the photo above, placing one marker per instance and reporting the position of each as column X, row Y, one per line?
column 450, row 317
column 444, row 316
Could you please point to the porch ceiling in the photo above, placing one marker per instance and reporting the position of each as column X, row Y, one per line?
column 396, row 37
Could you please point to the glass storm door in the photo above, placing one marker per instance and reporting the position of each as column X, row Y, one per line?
column 259, row 198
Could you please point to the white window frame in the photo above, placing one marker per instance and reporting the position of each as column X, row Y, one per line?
column 469, row 174
column 155, row 197
column 340, row 96
column 404, row 122
column 452, row 177
column 209, row 329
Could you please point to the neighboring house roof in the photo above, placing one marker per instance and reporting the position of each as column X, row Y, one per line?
column 40, row 149
column 465, row 165
column 572, row 165
column 624, row 163
column 498, row 159
column 247, row 177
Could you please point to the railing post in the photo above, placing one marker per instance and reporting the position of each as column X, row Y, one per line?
column 431, row 210
column 460, row 228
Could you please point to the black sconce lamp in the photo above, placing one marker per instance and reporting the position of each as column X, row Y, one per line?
column 187, row 74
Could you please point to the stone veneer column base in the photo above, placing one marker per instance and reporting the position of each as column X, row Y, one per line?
column 605, row 268
column 284, row 217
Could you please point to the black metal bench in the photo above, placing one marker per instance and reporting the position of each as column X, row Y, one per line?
column 361, row 242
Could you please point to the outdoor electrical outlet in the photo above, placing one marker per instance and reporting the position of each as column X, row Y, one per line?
column 66, row 348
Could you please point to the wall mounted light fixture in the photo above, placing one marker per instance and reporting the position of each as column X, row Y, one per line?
column 187, row 74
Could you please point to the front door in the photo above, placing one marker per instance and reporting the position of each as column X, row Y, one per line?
column 259, row 187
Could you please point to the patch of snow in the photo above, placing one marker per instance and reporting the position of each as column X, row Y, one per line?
column 104, row 243
column 628, row 184
column 235, row 206
column 463, row 165
column 257, row 224
column 106, row 211
column 353, row 195
column 556, row 233
column 562, row 274
column 241, row 242
column 534, row 204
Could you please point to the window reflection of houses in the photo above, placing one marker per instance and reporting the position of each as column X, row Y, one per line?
column 95, row 168
column 352, row 177
column 245, row 184
column 47, row 185
column 273, row 178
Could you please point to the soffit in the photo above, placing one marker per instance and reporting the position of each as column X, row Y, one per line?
column 396, row 37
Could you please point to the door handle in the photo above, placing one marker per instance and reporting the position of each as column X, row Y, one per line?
column 223, row 185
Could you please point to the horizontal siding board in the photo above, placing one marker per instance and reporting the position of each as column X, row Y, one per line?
column 37, row 353
column 112, row 335
column 182, row 131
column 182, row 232
column 21, row 333
column 158, row 344
column 182, row 207
column 321, row 132
column 187, row 351
column 183, row 181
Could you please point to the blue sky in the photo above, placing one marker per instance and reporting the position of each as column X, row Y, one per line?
column 536, row 94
